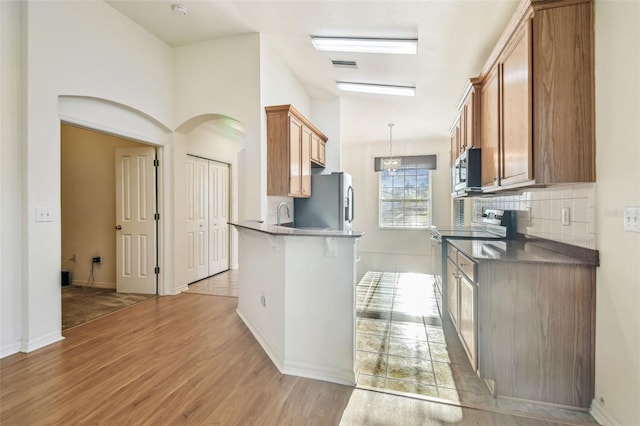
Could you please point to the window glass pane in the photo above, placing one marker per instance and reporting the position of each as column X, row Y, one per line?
column 405, row 198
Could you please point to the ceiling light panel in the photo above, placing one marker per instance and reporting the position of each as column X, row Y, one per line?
column 366, row 45
column 380, row 89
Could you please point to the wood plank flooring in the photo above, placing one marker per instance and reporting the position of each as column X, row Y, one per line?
column 183, row 359
column 189, row 359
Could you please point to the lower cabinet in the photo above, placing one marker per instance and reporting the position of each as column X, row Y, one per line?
column 452, row 292
column 528, row 328
column 467, row 323
column 462, row 300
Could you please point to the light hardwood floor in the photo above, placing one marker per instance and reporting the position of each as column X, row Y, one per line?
column 189, row 359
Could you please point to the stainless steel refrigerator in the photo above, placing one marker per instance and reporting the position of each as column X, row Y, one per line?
column 330, row 205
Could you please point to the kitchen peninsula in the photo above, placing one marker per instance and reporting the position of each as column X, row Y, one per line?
column 296, row 293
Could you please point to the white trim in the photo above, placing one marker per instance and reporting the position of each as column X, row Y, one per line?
column 602, row 416
column 32, row 345
column 95, row 284
column 333, row 375
column 277, row 360
column 11, row 349
column 399, row 253
column 179, row 290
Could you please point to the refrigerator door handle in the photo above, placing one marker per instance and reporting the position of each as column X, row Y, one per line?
column 351, row 208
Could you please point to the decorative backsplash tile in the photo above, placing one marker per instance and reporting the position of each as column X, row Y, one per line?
column 540, row 212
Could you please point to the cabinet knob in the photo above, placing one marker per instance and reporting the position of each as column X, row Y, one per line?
column 495, row 179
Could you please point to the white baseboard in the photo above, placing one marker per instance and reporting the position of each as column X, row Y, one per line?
column 333, row 375
column 179, row 290
column 32, row 345
column 275, row 358
column 96, row 284
column 599, row 412
column 11, row 349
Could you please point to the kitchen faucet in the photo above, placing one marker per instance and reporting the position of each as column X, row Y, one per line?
column 278, row 211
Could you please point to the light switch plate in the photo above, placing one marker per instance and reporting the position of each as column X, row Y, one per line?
column 566, row 220
column 632, row 219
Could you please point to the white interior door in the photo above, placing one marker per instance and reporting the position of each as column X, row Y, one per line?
column 135, row 221
column 197, row 218
column 218, row 217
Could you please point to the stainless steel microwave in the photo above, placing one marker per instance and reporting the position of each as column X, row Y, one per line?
column 467, row 172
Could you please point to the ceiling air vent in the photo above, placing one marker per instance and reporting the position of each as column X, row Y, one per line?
column 344, row 64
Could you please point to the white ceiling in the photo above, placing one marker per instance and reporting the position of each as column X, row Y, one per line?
column 455, row 38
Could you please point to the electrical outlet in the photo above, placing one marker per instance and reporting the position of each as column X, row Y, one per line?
column 566, row 220
column 44, row 214
column 96, row 259
column 632, row 219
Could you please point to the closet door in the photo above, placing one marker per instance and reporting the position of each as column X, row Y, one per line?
column 197, row 218
column 218, row 217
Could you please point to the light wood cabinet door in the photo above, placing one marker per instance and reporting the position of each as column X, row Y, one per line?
column 516, row 164
column 490, row 129
column 467, row 318
column 322, row 152
column 295, row 151
column 292, row 142
column 452, row 292
column 454, row 149
column 317, row 151
column 305, row 162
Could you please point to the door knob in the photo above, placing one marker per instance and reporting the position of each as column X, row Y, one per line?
column 118, row 227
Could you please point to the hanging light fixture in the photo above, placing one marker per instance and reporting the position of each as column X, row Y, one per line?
column 390, row 163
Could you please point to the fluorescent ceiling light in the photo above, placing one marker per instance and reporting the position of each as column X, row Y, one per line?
column 381, row 89
column 366, row 45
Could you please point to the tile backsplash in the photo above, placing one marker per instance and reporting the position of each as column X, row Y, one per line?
column 540, row 212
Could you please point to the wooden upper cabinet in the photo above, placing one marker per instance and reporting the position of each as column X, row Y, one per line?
column 563, row 93
column 516, row 110
column 490, row 129
column 290, row 148
column 455, row 142
column 295, row 157
column 537, row 119
column 318, row 151
column 305, row 162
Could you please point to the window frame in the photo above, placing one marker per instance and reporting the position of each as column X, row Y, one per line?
column 429, row 200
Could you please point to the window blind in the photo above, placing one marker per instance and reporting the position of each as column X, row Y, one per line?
column 410, row 162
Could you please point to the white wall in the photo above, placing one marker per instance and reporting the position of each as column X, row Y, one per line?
column 70, row 48
column 12, row 184
column 326, row 117
column 223, row 77
column 617, row 54
column 385, row 249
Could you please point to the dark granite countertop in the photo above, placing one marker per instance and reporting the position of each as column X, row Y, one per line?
column 523, row 250
column 287, row 231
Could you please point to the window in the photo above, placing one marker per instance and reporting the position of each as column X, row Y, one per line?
column 405, row 197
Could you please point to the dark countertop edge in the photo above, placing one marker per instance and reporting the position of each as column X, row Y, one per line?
column 294, row 232
column 587, row 255
column 562, row 254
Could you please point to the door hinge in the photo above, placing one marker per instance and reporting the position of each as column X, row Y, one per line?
column 156, row 216
column 157, row 270
column 156, row 163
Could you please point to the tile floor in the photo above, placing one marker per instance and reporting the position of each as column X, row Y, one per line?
column 405, row 347
column 222, row 284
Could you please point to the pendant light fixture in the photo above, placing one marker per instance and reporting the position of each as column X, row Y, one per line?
column 390, row 163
